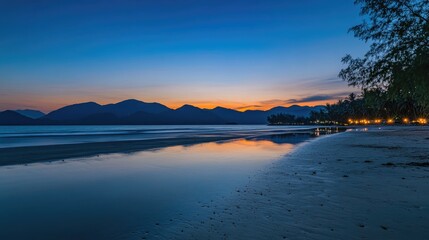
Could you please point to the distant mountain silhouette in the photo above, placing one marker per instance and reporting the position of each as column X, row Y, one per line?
column 188, row 114
column 74, row 112
column 10, row 117
column 145, row 119
column 131, row 106
column 232, row 116
column 120, row 110
column 138, row 112
column 99, row 119
column 34, row 114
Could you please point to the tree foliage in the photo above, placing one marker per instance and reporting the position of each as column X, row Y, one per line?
column 396, row 65
column 371, row 104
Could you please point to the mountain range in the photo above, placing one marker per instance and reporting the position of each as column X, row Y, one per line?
column 34, row 114
column 136, row 112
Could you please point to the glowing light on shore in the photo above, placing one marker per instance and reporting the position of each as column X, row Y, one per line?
column 378, row 121
column 422, row 121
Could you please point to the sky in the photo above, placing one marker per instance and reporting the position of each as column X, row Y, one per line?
column 240, row 54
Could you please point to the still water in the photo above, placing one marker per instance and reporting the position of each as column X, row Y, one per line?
column 18, row 136
column 128, row 196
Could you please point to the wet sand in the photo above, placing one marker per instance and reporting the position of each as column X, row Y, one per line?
column 354, row 185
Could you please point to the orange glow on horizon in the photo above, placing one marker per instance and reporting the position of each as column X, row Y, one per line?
column 47, row 104
column 241, row 106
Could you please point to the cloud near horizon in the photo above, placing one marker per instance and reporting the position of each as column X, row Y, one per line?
column 308, row 99
column 247, row 107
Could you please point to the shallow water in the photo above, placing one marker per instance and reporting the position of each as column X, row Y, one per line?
column 128, row 196
column 17, row 136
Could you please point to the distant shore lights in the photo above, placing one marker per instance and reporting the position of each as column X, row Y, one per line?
column 404, row 120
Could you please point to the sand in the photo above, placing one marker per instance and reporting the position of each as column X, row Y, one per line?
column 352, row 185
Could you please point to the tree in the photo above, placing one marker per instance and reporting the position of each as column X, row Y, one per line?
column 397, row 63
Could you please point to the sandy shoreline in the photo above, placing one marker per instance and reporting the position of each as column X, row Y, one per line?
column 353, row 185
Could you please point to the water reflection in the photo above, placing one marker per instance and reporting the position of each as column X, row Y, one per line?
column 18, row 136
column 121, row 196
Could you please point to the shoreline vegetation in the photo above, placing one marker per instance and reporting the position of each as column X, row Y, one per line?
column 316, row 119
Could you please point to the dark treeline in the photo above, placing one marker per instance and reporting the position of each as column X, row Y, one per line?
column 320, row 117
column 371, row 107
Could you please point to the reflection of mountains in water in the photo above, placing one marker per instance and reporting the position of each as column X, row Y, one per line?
column 134, row 112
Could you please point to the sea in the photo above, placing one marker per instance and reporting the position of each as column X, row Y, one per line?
column 137, row 195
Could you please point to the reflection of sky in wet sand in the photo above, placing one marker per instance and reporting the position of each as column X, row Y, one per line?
column 117, row 194
column 232, row 152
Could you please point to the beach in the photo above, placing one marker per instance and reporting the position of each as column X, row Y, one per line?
column 369, row 183
column 365, row 183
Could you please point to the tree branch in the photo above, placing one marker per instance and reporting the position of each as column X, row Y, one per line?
column 414, row 12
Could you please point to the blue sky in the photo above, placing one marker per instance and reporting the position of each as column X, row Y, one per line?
column 237, row 54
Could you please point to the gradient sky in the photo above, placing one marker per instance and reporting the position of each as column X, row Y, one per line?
column 240, row 54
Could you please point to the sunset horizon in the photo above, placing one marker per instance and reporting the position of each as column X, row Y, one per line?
column 203, row 105
column 214, row 119
column 241, row 55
